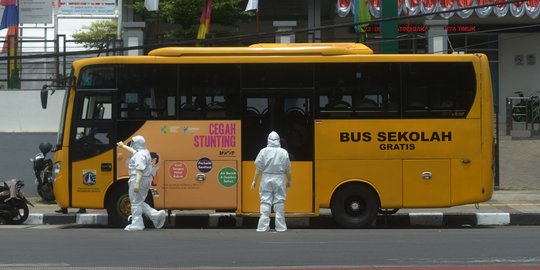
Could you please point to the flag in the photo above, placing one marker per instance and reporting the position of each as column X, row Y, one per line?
column 252, row 5
column 151, row 5
column 361, row 14
column 10, row 20
column 204, row 26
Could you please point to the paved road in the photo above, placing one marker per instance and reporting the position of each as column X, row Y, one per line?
column 77, row 246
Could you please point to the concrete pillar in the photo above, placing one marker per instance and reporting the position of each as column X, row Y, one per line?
column 133, row 36
column 283, row 33
column 437, row 36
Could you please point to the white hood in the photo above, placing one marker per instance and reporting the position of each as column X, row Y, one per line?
column 138, row 142
column 273, row 139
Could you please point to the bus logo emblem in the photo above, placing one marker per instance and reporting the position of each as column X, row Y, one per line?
column 89, row 177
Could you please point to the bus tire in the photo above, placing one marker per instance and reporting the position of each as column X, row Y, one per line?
column 118, row 205
column 354, row 206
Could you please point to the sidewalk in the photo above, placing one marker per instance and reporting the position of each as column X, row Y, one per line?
column 516, row 207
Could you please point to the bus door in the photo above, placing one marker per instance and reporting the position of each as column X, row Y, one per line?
column 91, row 148
column 292, row 118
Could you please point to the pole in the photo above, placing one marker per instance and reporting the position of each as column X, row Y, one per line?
column 55, row 17
column 119, row 20
column 257, row 18
column 157, row 25
column 389, row 29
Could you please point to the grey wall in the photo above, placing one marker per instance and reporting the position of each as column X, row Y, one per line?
column 517, row 77
column 17, row 149
column 23, row 126
column 20, row 111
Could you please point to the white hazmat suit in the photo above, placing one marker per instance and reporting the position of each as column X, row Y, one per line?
column 140, row 178
column 272, row 164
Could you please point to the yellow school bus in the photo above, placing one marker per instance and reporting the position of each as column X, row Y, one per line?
column 367, row 133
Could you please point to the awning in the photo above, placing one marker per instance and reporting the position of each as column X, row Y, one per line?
column 416, row 7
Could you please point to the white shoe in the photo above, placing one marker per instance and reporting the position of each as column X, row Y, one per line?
column 159, row 220
column 132, row 228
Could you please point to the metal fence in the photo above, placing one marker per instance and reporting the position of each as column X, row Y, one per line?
column 28, row 64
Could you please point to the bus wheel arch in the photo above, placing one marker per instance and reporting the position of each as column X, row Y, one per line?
column 355, row 204
column 118, row 204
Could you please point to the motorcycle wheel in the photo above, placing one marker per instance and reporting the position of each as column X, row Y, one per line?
column 46, row 192
column 20, row 213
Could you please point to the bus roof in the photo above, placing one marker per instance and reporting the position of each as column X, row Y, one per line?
column 267, row 49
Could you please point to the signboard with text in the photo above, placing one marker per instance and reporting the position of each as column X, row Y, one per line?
column 87, row 7
column 35, row 11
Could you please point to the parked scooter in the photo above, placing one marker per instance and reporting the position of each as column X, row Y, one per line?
column 43, row 168
column 13, row 203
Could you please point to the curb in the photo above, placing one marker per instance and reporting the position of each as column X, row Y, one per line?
column 227, row 220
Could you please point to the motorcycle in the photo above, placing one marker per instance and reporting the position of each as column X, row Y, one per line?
column 13, row 203
column 43, row 169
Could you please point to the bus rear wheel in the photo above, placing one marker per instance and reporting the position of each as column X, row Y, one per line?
column 354, row 206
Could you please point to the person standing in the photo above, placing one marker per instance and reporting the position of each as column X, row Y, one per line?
column 140, row 177
column 272, row 165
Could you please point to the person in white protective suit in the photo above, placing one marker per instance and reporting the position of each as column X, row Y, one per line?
column 272, row 164
column 140, row 177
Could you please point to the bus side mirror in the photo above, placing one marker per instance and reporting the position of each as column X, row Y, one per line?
column 44, row 96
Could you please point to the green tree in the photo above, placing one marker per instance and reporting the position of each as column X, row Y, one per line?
column 186, row 14
column 97, row 35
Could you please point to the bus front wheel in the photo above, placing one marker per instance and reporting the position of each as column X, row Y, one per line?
column 118, row 206
column 354, row 206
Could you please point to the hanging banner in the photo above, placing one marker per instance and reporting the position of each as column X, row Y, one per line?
column 87, row 7
column 35, row 11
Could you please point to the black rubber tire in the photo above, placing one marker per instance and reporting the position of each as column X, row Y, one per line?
column 46, row 192
column 23, row 211
column 118, row 205
column 354, row 206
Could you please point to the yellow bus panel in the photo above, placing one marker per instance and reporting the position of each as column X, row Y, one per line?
column 299, row 196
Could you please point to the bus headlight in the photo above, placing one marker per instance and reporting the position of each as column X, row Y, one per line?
column 56, row 170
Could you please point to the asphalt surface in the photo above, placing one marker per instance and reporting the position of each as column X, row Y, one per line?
column 516, row 201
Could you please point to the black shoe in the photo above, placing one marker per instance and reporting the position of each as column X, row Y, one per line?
column 61, row 211
column 81, row 211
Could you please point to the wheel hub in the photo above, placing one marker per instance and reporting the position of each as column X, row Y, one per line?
column 355, row 206
column 125, row 206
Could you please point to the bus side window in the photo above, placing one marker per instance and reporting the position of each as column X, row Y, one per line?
column 96, row 107
column 335, row 99
column 191, row 106
column 369, row 97
column 416, row 98
column 147, row 91
column 98, row 77
column 215, row 108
